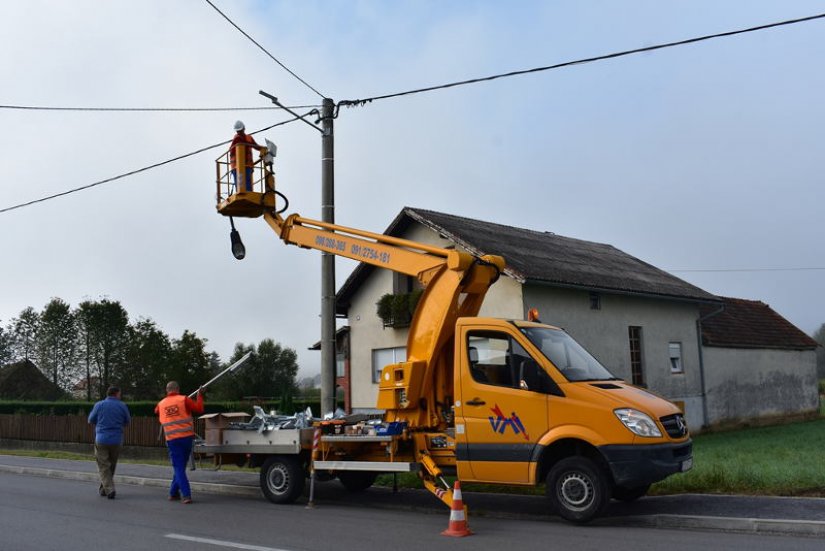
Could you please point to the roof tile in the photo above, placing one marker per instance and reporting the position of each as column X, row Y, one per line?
column 751, row 324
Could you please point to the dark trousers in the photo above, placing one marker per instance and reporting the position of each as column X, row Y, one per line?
column 106, row 456
column 248, row 181
column 179, row 451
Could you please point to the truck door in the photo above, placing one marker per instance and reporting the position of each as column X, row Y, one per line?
column 500, row 414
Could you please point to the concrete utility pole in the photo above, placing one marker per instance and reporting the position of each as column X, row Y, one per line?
column 327, row 261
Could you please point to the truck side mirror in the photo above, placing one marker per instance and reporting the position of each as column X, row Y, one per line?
column 533, row 377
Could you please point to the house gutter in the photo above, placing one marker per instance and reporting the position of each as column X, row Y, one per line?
column 702, row 360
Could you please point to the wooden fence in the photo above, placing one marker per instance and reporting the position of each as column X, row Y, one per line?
column 142, row 431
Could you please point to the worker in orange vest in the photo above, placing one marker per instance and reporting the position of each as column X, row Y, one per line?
column 241, row 137
column 175, row 412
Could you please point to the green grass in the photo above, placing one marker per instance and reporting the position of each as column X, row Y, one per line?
column 785, row 460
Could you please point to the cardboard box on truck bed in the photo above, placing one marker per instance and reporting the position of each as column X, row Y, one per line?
column 216, row 422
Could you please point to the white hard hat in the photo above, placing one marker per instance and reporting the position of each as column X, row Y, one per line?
column 239, row 126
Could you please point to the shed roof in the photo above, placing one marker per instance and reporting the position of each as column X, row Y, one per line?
column 543, row 258
column 23, row 381
column 751, row 324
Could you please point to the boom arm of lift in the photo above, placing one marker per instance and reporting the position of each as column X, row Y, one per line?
column 419, row 390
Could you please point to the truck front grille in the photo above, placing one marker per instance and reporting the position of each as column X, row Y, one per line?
column 675, row 425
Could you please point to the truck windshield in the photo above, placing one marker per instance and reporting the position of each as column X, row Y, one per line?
column 569, row 357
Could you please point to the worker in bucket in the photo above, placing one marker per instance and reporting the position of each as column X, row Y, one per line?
column 108, row 416
column 241, row 137
column 175, row 413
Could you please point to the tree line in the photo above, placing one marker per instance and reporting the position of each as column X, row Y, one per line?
column 94, row 345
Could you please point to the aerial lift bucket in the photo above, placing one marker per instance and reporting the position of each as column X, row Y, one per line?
column 233, row 197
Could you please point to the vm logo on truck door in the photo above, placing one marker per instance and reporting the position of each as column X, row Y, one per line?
column 500, row 422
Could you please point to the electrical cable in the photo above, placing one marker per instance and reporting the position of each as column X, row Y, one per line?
column 139, row 170
column 362, row 102
column 264, row 49
column 149, row 109
column 286, row 202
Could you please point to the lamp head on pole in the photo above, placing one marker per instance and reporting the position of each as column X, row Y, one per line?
column 238, row 250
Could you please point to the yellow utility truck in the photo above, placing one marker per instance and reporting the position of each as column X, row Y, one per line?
column 494, row 401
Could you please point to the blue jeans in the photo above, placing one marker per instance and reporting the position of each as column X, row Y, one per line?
column 248, row 185
column 179, row 451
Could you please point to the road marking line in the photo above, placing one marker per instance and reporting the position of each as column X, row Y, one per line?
column 231, row 544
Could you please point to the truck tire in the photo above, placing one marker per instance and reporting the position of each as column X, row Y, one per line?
column 282, row 478
column 357, row 481
column 578, row 489
column 630, row 494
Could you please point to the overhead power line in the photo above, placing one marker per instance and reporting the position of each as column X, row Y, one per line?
column 364, row 101
column 264, row 50
column 139, row 170
column 149, row 109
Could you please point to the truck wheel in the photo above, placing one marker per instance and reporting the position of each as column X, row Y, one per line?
column 357, row 481
column 282, row 478
column 630, row 494
column 578, row 489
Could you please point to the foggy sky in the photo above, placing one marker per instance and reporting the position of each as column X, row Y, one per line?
column 703, row 157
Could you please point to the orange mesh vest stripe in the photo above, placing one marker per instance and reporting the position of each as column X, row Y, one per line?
column 174, row 418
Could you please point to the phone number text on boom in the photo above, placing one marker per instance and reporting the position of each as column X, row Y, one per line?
column 360, row 251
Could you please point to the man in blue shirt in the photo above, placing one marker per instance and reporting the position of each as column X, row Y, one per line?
column 109, row 416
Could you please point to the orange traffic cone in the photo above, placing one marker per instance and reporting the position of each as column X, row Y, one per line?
column 458, row 519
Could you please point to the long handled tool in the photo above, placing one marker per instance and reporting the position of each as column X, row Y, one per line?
column 229, row 369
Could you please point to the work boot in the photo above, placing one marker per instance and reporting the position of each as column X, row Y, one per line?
column 111, row 495
column 101, row 491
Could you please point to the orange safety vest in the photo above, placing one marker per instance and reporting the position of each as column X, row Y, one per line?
column 175, row 418
column 245, row 140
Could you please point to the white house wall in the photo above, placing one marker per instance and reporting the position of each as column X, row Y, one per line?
column 367, row 332
column 751, row 383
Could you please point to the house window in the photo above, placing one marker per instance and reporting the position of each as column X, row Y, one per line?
column 403, row 284
column 386, row 356
column 676, row 357
column 595, row 301
column 340, row 365
column 636, row 368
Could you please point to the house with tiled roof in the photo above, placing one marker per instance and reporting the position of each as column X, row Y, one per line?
column 757, row 363
column 639, row 321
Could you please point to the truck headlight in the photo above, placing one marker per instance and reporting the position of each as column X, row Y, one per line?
column 638, row 423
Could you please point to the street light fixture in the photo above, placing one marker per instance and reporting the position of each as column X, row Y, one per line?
column 238, row 250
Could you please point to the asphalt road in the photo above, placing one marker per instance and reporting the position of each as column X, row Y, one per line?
column 40, row 513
